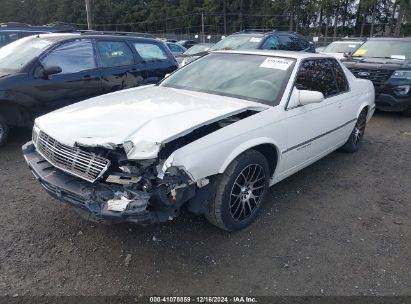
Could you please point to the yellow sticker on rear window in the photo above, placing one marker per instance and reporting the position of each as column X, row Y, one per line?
column 360, row 52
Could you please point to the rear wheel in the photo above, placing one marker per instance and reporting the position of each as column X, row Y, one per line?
column 354, row 141
column 241, row 189
column 4, row 131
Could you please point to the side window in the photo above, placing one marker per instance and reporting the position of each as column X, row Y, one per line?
column 174, row 48
column 304, row 44
column 150, row 51
column 316, row 75
column 8, row 37
column 72, row 57
column 289, row 43
column 340, row 76
column 271, row 43
column 114, row 53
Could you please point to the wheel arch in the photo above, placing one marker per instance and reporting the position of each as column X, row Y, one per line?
column 265, row 146
column 364, row 106
column 14, row 114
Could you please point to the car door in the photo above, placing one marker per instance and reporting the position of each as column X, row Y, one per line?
column 158, row 62
column 119, row 69
column 79, row 78
column 314, row 129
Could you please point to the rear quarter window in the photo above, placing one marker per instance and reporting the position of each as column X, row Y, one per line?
column 150, row 51
column 290, row 43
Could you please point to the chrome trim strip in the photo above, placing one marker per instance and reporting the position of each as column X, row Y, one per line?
column 319, row 136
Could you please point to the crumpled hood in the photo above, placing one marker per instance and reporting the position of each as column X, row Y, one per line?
column 147, row 116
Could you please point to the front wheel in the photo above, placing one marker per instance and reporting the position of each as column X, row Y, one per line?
column 407, row 112
column 354, row 141
column 4, row 131
column 241, row 189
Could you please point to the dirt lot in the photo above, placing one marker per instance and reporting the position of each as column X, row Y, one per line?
column 339, row 227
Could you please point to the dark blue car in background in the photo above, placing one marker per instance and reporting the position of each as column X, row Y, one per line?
column 12, row 31
column 45, row 72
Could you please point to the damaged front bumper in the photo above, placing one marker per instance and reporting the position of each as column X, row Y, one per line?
column 95, row 201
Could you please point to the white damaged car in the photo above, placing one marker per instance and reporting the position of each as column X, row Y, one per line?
column 212, row 137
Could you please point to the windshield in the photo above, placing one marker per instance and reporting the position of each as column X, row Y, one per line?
column 251, row 77
column 342, row 47
column 8, row 37
column 14, row 56
column 385, row 49
column 236, row 42
column 198, row 48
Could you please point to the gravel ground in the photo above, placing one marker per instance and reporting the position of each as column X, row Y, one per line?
column 339, row 227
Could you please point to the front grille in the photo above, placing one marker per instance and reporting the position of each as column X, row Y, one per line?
column 86, row 165
column 377, row 76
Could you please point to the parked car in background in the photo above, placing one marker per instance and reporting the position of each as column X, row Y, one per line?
column 319, row 49
column 187, row 43
column 42, row 73
column 387, row 63
column 194, row 53
column 340, row 49
column 211, row 137
column 13, row 31
column 274, row 40
column 176, row 48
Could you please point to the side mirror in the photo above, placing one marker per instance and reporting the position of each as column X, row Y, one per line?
column 309, row 97
column 51, row 70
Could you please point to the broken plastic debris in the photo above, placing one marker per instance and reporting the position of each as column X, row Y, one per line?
column 123, row 180
column 203, row 182
column 127, row 260
column 118, row 205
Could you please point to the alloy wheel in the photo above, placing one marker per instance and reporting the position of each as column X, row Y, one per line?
column 359, row 128
column 247, row 192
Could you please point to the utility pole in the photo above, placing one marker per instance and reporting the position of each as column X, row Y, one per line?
column 88, row 10
column 202, row 27
column 241, row 14
column 225, row 16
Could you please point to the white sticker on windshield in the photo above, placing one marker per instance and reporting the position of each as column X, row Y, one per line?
column 276, row 63
column 255, row 39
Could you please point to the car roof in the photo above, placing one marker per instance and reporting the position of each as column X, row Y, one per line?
column 24, row 27
column 348, row 41
column 391, row 38
column 262, row 33
column 64, row 36
column 289, row 54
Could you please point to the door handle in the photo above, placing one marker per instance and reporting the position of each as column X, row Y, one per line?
column 340, row 106
column 134, row 70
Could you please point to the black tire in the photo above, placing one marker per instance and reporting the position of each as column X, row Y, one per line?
column 407, row 112
column 354, row 141
column 235, row 207
column 4, row 131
